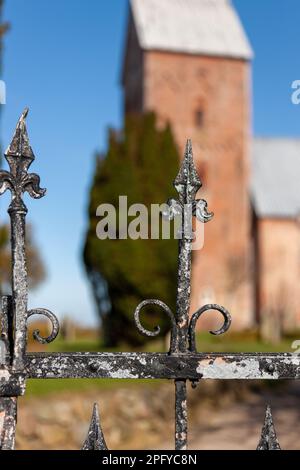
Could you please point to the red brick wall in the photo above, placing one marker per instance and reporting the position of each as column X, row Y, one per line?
column 207, row 99
column 178, row 86
column 278, row 270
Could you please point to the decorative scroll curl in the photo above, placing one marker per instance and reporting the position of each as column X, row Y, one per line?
column 31, row 184
column 54, row 322
column 6, row 182
column 156, row 332
column 198, row 314
column 199, row 207
column 200, row 210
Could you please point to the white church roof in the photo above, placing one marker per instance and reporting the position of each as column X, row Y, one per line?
column 209, row 27
column 276, row 177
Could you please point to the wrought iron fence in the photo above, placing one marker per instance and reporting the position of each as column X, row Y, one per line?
column 183, row 363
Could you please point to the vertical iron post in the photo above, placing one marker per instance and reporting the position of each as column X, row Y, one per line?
column 19, row 156
column 187, row 184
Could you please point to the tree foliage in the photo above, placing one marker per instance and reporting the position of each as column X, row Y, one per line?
column 141, row 163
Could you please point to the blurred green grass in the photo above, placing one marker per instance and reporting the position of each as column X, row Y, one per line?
column 247, row 342
column 45, row 387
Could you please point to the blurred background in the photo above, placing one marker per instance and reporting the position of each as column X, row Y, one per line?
column 115, row 89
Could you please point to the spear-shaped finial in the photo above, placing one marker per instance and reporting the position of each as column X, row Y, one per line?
column 20, row 156
column 20, row 146
column 188, row 176
column 95, row 438
column 268, row 440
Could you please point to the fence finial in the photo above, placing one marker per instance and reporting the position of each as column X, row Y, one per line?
column 95, row 438
column 20, row 146
column 268, row 440
column 188, row 176
column 20, row 156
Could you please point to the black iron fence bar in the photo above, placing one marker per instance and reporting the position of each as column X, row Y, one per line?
column 163, row 366
column 192, row 366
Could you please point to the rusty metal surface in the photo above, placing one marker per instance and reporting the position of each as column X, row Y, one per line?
column 182, row 363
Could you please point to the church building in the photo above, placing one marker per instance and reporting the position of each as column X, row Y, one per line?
column 189, row 61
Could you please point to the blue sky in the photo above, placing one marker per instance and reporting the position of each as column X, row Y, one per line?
column 63, row 60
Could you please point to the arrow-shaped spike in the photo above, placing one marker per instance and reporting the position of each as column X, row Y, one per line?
column 268, row 440
column 95, row 438
column 20, row 146
column 188, row 175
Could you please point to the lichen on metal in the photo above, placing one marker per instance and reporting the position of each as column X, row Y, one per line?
column 8, row 421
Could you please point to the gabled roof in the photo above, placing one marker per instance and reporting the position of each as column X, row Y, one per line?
column 275, row 177
column 203, row 27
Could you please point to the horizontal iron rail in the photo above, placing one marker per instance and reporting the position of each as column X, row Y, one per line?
column 190, row 366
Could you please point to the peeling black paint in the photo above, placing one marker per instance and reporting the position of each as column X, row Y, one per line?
column 191, row 366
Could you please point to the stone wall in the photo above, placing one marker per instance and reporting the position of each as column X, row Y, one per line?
column 133, row 417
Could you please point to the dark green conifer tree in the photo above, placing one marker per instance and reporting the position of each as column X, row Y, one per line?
column 140, row 163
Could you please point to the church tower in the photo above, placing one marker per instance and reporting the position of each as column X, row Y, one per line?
column 189, row 61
